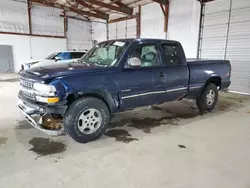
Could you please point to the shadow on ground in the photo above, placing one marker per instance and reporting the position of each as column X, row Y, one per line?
column 10, row 80
column 171, row 114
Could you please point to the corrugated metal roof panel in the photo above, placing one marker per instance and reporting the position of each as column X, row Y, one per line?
column 217, row 6
column 240, row 15
column 215, row 31
column 236, row 4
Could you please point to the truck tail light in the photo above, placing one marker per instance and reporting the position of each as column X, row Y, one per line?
column 228, row 74
column 230, row 67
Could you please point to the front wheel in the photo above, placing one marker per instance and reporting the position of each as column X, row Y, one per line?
column 208, row 98
column 86, row 119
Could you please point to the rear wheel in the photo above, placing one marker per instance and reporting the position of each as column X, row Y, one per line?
column 208, row 98
column 86, row 119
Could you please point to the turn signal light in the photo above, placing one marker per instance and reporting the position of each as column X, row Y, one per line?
column 53, row 99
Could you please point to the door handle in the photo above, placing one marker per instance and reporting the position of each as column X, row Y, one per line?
column 161, row 74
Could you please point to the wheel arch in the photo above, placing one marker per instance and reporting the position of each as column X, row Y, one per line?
column 101, row 94
column 215, row 80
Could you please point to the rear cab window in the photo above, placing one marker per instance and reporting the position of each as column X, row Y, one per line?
column 77, row 55
column 171, row 54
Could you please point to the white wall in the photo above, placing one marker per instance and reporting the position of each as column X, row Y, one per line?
column 44, row 21
column 13, row 16
column 152, row 21
column 99, row 31
column 78, row 35
column 41, row 47
column 20, row 48
column 47, row 21
column 29, row 47
column 184, row 19
column 183, row 24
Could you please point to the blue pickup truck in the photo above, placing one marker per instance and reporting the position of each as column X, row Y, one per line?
column 115, row 76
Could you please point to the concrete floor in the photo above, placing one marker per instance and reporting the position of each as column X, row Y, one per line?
column 162, row 146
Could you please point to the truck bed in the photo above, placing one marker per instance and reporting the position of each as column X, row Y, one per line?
column 202, row 69
column 204, row 61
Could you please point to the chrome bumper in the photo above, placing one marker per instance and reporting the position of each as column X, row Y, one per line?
column 28, row 112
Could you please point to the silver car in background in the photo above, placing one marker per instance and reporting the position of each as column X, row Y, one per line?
column 56, row 57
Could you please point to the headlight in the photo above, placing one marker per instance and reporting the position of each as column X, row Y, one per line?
column 47, row 99
column 44, row 90
column 34, row 63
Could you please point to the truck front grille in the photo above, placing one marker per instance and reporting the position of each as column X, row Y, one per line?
column 27, row 84
column 28, row 94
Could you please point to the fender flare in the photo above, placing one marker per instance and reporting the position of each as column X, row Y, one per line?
column 103, row 95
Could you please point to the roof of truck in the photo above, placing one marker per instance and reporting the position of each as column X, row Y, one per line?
column 72, row 51
column 141, row 40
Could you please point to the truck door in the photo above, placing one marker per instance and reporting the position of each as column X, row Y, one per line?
column 144, row 84
column 176, row 71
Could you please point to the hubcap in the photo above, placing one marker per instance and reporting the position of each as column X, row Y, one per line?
column 210, row 97
column 89, row 121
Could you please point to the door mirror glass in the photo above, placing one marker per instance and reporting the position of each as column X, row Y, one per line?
column 133, row 62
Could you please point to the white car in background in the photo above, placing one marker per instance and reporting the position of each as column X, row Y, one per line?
column 56, row 57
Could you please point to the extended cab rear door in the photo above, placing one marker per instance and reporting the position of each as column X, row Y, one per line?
column 145, row 84
column 176, row 71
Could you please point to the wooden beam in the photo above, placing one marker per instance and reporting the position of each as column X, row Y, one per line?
column 78, row 11
column 205, row 1
column 125, row 10
column 138, row 23
column 29, row 16
column 34, row 35
column 90, row 7
column 165, row 13
column 122, row 19
column 121, row 5
column 98, row 7
column 163, row 10
column 164, row 2
column 75, row 18
column 133, row 2
column 166, row 18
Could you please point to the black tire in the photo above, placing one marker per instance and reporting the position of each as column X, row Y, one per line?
column 72, row 115
column 202, row 102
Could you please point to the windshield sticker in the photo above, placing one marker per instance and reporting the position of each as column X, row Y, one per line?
column 118, row 43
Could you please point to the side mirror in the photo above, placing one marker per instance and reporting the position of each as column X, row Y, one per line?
column 133, row 62
column 57, row 59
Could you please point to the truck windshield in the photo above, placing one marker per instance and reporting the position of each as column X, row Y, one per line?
column 106, row 54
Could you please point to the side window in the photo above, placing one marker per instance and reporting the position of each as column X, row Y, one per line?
column 76, row 55
column 148, row 55
column 64, row 56
column 171, row 54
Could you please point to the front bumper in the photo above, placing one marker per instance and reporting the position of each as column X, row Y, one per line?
column 31, row 110
column 42, row 108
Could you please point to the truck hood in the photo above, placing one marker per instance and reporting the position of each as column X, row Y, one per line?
column 61, row 70
column 45, row 62
column 31, row 61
